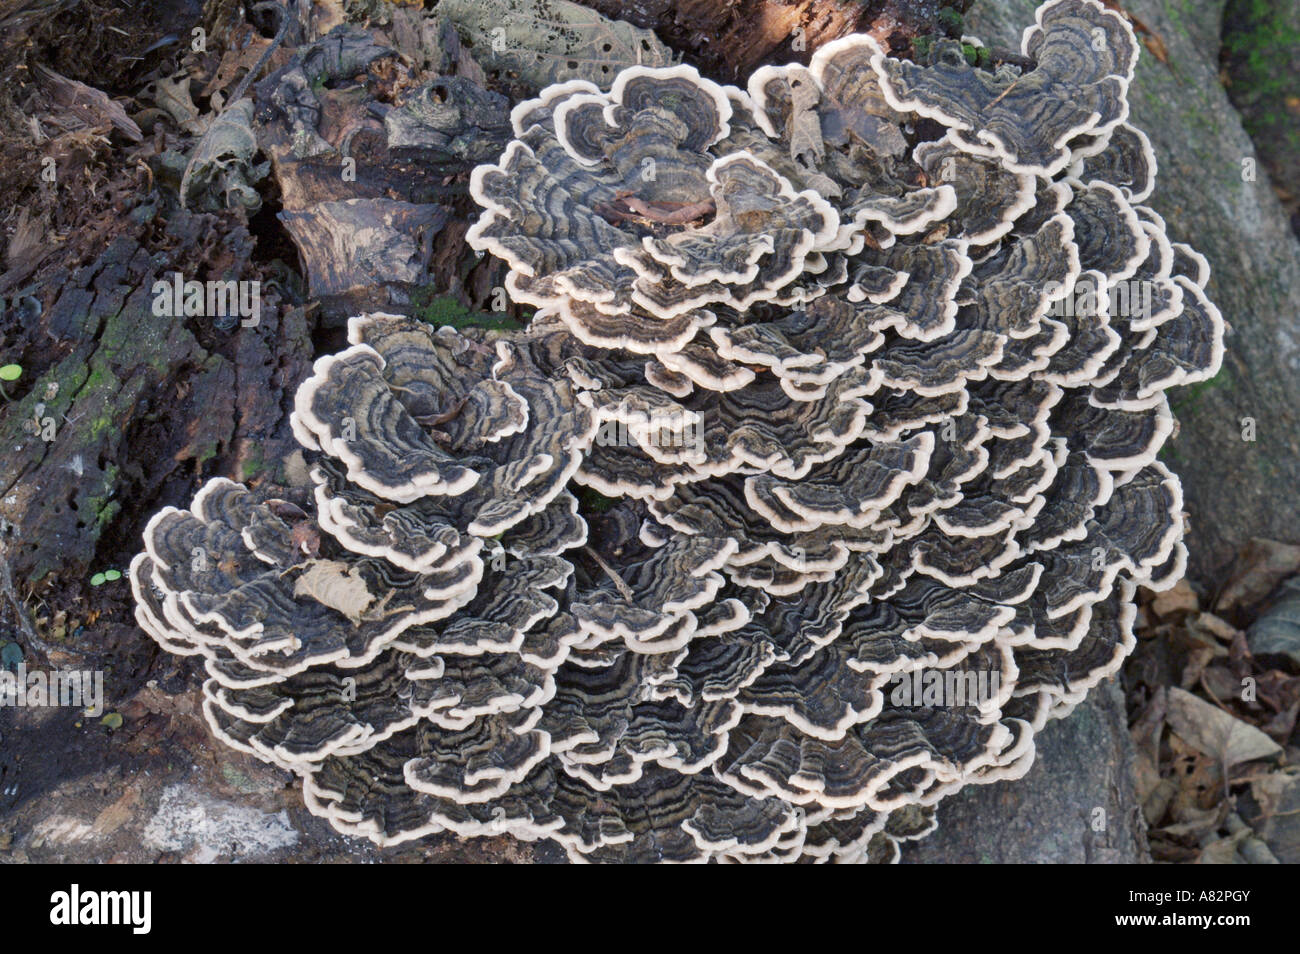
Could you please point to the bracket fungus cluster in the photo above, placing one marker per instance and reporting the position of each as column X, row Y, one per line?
column 856, row 373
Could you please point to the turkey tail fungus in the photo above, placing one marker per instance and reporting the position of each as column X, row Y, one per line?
column 823, row 476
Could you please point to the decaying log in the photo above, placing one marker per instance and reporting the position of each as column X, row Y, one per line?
column 135, row 404
column 729, row 38
column 365, row 252
column 365, row 170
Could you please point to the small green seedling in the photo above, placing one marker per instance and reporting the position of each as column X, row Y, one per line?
column 108, row 576
column 9, row 372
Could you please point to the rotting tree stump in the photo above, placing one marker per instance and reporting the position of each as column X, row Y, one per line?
column 132, row 405
column 143, row 406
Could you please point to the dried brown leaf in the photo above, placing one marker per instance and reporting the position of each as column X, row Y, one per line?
column 1260, row 566
column 336, row 585
column 1217, row 733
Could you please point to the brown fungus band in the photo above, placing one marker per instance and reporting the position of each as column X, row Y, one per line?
column 810, row 408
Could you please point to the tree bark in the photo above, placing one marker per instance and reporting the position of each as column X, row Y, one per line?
column 730, row 38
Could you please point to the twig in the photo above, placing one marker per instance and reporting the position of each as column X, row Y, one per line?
column 20, row 608
column 280, row 34
column 624, row 590
column 998, row 98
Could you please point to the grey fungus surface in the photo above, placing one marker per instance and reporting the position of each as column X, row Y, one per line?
column 1083, row 59
column 817, row 408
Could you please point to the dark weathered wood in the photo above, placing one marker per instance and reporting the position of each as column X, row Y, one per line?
column 729, row 38
column 365, row 186
column 365, row 254
column 134, row 400
column 118, row 408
